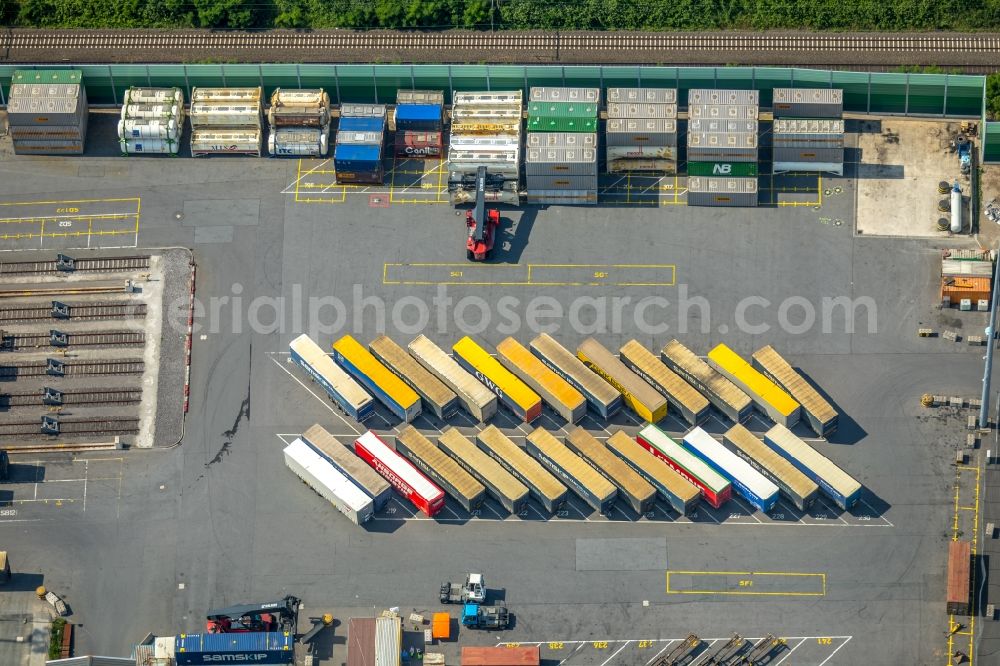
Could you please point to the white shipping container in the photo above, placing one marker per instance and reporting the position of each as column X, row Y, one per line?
column 460, row 114
column 298, row 141
column 226, row 95
column 642, row 95
column 148, row 129
column 808, row 126
column 722, row 140
column 717, row 96
column 158, row 96
column 500, row 98
column 722, row 126
column 320, row 475
column 226, row 141
column 360, row 138
column 311, row 97
column 640, row 152
column 485, row 141
column 151, row 111
column 388, row 636
column 661, row 111
column 225, row 115
column 642, row 164
column 723, row 111
column 362, row 110
column 546, row 94
column 562, row 140
column 149, row 146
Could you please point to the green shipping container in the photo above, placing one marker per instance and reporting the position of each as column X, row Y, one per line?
column 562, row 110
column 723, row 169
column 562, row 124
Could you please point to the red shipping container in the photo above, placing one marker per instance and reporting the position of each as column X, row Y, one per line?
column 418, row 145
column 404, row 477
column 501, row 656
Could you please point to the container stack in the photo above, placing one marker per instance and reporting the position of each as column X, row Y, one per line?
column 966, row 279
column 561, row 160
column 360, row 137
column 419, row 124
column 152, row 121
column 47, row 112
column 722, row 145
column 300, row 122
column 226, row 121
column 485, row 131
column 809, row 130
column 641, row 134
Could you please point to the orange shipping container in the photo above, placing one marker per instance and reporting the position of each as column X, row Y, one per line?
column 957, row 288
column 441, row 626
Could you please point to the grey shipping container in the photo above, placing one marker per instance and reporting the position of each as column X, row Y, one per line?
column 36, row 147
column 360, row 138
column 642, row 95
column 362, row 110
column 640, row 151
column 809, row 126
column 719, row 96
column 560, row 162
column 722, row 140
column 734, row 192
column 642, row 164
column 650, row 132
column 547, row 94
column 562, row 197
column 388, row 639
column 787, row 154
column 36, row 107
column 553, row 182
column 808, row 102
column 561, row 140
column 420, row 97
column 618, row 110
column 723, row 111
column 47, row 132
column 835, row 168
column 722, row 126
column 511, row 493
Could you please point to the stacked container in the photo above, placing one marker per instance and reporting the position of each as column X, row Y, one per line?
column 152, row 121
column 641, row 134
column 360, row 137
column 809, row 130
column 561, row 159
column 299, row 122
column 226, row 121
column 485, row 131
column 47, row 112
column 722, row 147
column 419, row 123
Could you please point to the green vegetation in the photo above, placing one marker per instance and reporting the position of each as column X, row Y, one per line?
column 513, row 14
column 993, row 97
column 56, row 638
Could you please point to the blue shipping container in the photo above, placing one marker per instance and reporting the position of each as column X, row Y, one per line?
column 418, row 117
column 358, row 158
column 244, row 648
column 366, row 410
column 361, row 125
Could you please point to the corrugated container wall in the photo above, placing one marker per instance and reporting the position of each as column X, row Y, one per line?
column 639, row 132
column 420, row 97
column 47, row 112
column 808, row 102
column 722, row 112
column 722, row 192
column 546, row 94
column 388, row 636
column 722, row 97
column 642, row 95
column 657, row 111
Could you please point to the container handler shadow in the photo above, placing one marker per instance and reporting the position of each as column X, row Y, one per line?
column 513, row 236
column 848, row 431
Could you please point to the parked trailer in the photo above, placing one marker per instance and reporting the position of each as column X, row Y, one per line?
column 959, row 577
column 715, row 489
column 632, row 488
column 349, row 464
column 769, row 398
column 728, row 398
column 511, row 391
column 554, row 390
column 574, row 471
column 511, row 493
column 473, row 396
column 441, row 469
column 223, row 141
column 404, row 477
column 390, row 390
column 749, row 483
column 322, row 476
column 638, row 395
column 546, row 489
column 796, row 486
column 436, row 396
column 601, row 396
column 822, row 417
column 344, row 391
column 837, row 484
column 671, row 487
column 692, row 405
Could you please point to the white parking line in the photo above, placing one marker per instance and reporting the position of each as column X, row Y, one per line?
column 789, row 653
column 708, row 648
column 615, row 653
column 657, row 655
column 846, row 641
column 325, row 403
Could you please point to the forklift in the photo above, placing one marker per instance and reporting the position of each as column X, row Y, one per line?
column 472, row 590
column 482, row 224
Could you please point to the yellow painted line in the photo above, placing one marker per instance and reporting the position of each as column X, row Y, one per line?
column 67, row 201
column 749, row 576
column 530, row 279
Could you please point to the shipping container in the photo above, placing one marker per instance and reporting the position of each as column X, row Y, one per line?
column 642, row 95
column 748, row 482
column 821, row 416
column 350, row 110
column 959, row 577
column 632, row 488
column 420, row 97
column 505, row 655
column 361, row 641
column 769, row 398
column 560, row 162
column 498, row 161
column 640, row 132
column 679, row 493
column 546, row 489
column 359, row 138
column 728, row 398
column 501, row 484
column 562, row 110
column 722, row 111
column 714, row 488
column 511, row 391
column 819, row 129
column 225, row 141
column 537, row 124
column 472, row 142
column 692, row 405
column 46, row 97
column 152, row 111
column 298, row 141
column 418, row 117
column 48, row 133
column 389, row 389
column 630, row 110
column 418, row 145
column 808, row 102
column 475, row 398
column 665, row 166
column 349, row 464
column 147, row 129
column 737, row 143
column 548, row 94
column 568, row 402
column 723, row 169
column 721, row 126
column 601, row 396
column 322, row 476
column 973, row 288
column 206, row 115
column 404, row 477
column 361, row 125
column 358, row 163
column 538, row 183
column 485, row 127
column 722, row 192
column 561, row 197
column 561, row 140
column 639, row 396
column 388, row 640
column 299, row 108
column 837, row 484
column 717, row 96
column 640, row 152
column 224, row 95
column 265, row 648
column 59, row 147
column 834, row 168
column 598, row 492
column 810, row 155
column 343, row 390
column 441, row 469
column 487, row 114
column 492, row 98
column 964, row 267
column 154, row 96
column 148, row 146
column 437, row 397
column 795, row 485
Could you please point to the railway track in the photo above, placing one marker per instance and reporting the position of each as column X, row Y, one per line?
column 503, row 46
column 95, row 339
column 77, row 312
column 79, row 398
column 99, row 426
column 96, row 265
column 18, row 370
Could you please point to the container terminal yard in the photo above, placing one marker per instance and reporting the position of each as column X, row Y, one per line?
column 493, row 365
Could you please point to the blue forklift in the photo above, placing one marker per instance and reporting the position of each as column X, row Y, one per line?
column 490, row 618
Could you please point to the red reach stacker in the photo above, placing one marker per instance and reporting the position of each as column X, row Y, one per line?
column 482, row 223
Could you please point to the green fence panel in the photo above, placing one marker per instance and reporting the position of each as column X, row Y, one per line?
column 204, row 76
column 965, row 95
column 991, row 142
column 100, row 83
column 888, row 93
column 507, row 77
column 164, row 76
column 616, row 76
column 356, row 82
column 544, row 75
column 810, row 78
column 392, row 78
column 298, row 76
column 768, row 78
column 432, row 77
column 657, row 77
column 734, row 78
column 584, row 77
column 127, row 76
column 693, row 77
column 855, row 87
column 6, row 74
column 469, row 78
column 927, row 94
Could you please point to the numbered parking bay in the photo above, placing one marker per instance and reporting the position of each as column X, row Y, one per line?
column 64, row 225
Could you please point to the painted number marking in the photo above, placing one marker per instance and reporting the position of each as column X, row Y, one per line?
column 824, row 641
column 600, row 645
column 600, row 274
column 456, row 274
column 746, row 583
column 556, row 646
column 8, row 513
column 66, row 223
column 67, row 210
column 645, row 644
column 512, row 645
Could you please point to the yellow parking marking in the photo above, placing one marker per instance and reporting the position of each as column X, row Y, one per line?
column 70, row 219
column 956, row 628
column 524, row 275
column 795, row 189
column 747, row 583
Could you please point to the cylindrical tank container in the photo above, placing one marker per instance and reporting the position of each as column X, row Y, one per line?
column 223, row 95
column 226, row 141
column 149, row 111
column 148, row 146
column 956, row 209
column 148, row 129
column 165, row 96
column 299, row 108
column 205, row 114
column 298, row 142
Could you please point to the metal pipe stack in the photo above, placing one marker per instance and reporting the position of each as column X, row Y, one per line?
column 808, row 130
column 47, row 112
column 226, row 121
column 561, row 159
column 641, row 134
column 485, row 131
column 152, row 121
column 357, row 157
column 299, row 123
column 722, row 147
column 418, row 121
